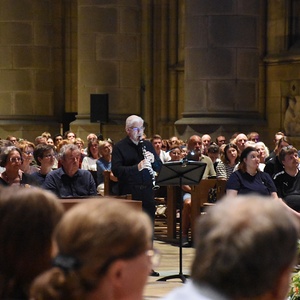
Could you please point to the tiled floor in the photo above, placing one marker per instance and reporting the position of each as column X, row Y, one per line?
column 169, row 265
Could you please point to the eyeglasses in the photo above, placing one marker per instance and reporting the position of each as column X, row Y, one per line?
column 15, row 159
column 28, row 152
column 289, row 147
column 154, row 256
column 48, row 156
column 137, row 128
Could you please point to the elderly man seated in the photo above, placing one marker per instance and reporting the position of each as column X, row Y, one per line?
column 69, row 180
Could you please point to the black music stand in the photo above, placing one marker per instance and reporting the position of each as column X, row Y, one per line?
column 180, row 173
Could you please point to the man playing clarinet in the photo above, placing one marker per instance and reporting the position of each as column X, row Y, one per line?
column 134, row 162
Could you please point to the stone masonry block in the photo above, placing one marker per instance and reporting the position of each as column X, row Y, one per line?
column 24, row 104
column 16, row 33
column 197, row 35
column 32, row 57
column 210, row 7
column 98, row 73
column 14, row 80
column 43, row 80
column 16, row 10
column 204, row 63
column 130, row 20
column 247, row 63
column 221, row 95
column 5, row 103
column 86, row 47
column 248, row 7
column 128, row 47
column 233, row 31
column 5, row 57
column 43, row 34
column 247, row 96
column 95, row 19
column 195, row 95
column 130, row 74
column 107, row 46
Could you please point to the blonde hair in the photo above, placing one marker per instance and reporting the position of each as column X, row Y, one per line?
column 93, row 235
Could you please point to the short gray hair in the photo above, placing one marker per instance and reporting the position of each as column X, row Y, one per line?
column 65, row 148
column 133, row 119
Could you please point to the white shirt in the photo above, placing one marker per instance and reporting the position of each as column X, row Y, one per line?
column 192, row 291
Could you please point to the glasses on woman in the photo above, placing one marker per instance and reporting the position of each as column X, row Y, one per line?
column 28, row 152
column 48, row 156
column 15, row 159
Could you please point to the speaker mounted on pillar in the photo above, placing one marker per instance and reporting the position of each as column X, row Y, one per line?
column 99, row 108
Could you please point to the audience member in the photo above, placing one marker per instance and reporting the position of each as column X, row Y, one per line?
column 27, row 220
column 220, row 140
column 263, row 153
column 12, row 139
column 45, row 158
column 89, row 162
column 57, row 139
column 287, row 181
column 46, row 134
column 248, row 178
column 206, row 141
column 70, row 135
column 133, row 163
column 240, row 141
column 229, row 159
column 157, row 144
column 213, row 152
column 11, row 160
column 195, row 153
column 175, row 153
column 80, row 144
column 104, row 165
column 253, row 136
column 27, row 149
column 245, row 249
column 273, row 165
column 40, row 140
column 50, row 141
column 104, row 252
column 278, row 135
column 69, row 180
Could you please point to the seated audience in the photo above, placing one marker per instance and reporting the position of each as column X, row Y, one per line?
column 45, row 158
column 69, row 180
column 104, row 165
column 195, row 153
column 206, row 141
column 89, row 162
column 80, row 144
column 70, row 135
column 220, row 140
column 263, row 152
column 11, row 160
column 27, row 220
column 240, row 141
column 287, row 181
column 253, row 136
column 273, row 165
column 157, row 145
column 27, row 149
column 40, row 140
column 104, row 252
column 229, row 159
column 213, row 152
column 248, row 178
column 278, row 135
column 245, row 249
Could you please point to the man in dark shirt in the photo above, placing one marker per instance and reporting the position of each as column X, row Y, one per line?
column 133, row 162
column 287, row 181
column 69, row 180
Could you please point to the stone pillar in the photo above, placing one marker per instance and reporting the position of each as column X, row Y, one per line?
column 27, row 87
column 222, row 59
column 109, row 37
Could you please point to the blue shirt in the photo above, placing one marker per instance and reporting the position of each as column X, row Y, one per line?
column 261, row 183
column 79, row 185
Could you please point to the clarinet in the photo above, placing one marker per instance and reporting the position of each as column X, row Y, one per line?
column 151, row 171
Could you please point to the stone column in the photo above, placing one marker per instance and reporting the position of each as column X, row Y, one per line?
column 109, row 37
column 27, row 86
column 222, row 74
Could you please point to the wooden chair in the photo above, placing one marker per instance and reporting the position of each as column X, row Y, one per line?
column 199, row 196
column 69, row 203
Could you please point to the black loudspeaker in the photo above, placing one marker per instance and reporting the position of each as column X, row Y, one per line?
column 99, row 108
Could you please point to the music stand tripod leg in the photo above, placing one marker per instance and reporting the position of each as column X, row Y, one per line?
column 180, row 275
